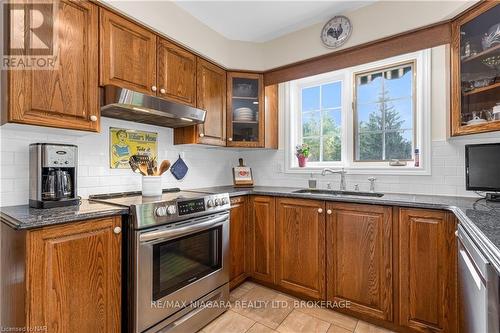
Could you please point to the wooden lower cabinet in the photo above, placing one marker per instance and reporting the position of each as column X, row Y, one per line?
column 237, row 240
column 427, row 270
column 261, row 238
column 359, row 258
column 72, row 280
column 300, row 246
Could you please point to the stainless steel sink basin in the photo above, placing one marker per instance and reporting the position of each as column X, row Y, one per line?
column 339, row 193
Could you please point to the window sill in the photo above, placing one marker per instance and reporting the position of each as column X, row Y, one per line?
column 404, row 170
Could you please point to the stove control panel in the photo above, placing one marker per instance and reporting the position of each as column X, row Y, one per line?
column 191, row 206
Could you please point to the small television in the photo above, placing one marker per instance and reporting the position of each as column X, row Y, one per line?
column 482, row 168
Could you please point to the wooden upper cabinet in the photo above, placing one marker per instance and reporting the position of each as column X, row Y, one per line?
column 245, row 104
column 73, row 277
column 427, row 270
column 359, row 258
column 67, row 96
column 475, row 85
column 176, row 73
column 300, row 246
column 211, row 97
column 261, row 238
column 237, row 240
column 127, row 54
column 271, row 124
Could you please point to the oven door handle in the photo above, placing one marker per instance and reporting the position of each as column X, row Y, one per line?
column 178, row 232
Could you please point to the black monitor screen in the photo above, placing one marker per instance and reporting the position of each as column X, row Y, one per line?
column 482, row 167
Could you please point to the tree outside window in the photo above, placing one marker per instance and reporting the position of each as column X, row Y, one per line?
column 321, row 119
column 384, row 114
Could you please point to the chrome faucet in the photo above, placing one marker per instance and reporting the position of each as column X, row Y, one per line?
column 342, row 173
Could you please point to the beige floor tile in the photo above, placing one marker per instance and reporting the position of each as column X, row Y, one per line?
column 331, row 316
column 259, row 328
column 299, row 322
column 338, row 329
column 265, row 306
column 364, row 327
column 229, row 322
column 241, row 290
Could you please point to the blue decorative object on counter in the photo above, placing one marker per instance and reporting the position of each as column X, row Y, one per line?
column 179, row 168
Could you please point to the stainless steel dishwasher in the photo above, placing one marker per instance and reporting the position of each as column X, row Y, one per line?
column 479, row 288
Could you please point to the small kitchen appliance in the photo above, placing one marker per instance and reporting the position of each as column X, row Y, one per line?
column 52, row 175
column 178, row 249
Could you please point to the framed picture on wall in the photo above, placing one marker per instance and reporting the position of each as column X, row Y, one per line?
column 124, row 143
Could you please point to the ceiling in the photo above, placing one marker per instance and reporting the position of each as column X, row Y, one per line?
column 261, row 21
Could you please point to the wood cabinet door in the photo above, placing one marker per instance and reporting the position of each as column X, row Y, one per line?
column 237, row 240
column 261, row 238
column 66, row 96
column 271, row 124
column 427, row 270
column 300, row 246
column 211, row 97
column 74, row 277
column 127, row 54
column 359, row 258
column 176, row 73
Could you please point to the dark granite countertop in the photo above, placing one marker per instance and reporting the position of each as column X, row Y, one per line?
column 479, row 218
column 23, row 217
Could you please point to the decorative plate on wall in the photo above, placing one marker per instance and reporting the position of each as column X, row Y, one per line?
column 336, row 32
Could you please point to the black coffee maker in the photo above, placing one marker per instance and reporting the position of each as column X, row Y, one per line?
column 53, row 175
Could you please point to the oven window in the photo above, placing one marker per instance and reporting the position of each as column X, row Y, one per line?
column 181, row 261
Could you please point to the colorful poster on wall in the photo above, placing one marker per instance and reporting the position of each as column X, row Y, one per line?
column 124, row 143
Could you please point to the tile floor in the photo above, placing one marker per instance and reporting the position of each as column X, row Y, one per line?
column 257, row 309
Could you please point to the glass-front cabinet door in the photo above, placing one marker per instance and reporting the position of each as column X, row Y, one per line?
column 476, row 70
column 245, row 104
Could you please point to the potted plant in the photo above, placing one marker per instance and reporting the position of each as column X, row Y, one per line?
column 302, row 152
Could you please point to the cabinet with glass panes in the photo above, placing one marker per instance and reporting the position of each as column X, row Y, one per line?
column 475, row 70
column 245, row 104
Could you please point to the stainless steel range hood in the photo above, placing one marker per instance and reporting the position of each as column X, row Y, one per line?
column 125, row 104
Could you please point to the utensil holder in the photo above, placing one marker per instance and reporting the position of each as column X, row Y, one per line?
column 151, row 186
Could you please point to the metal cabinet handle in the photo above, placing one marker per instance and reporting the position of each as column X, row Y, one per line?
column 154, row 88
column 320, row 210
column 162, row 91
column 329, row 212
column 93, row 118
column 117, row 230
column 229, row 139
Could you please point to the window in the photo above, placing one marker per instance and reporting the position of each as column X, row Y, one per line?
column 384, row 113
column 321, row 119
column 361, row 118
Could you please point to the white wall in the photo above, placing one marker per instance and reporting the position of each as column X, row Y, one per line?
column 208, row 166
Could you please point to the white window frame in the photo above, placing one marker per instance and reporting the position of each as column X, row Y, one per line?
column 293, row 133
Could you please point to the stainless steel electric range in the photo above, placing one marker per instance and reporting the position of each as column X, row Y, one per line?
column 178, row 269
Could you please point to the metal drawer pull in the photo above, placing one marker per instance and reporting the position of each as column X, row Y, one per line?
column 329, row 212
column 320, row 210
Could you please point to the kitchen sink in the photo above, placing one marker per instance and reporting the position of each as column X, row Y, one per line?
column 339, row 193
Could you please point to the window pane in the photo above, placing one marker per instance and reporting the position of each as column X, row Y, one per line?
column 398, row 114
column 331, row 122
column 332, row 148
column 398, row 145
column 369, row 117
column 369, row 146
column 398, row 82
column 310, row 99
column 311, row 124
column 368, row 88
column 331, row 95
column 314, row 148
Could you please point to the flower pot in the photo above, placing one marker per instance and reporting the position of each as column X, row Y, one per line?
column 302, row 161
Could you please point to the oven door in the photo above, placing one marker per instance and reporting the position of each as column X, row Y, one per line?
column 177, row 264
